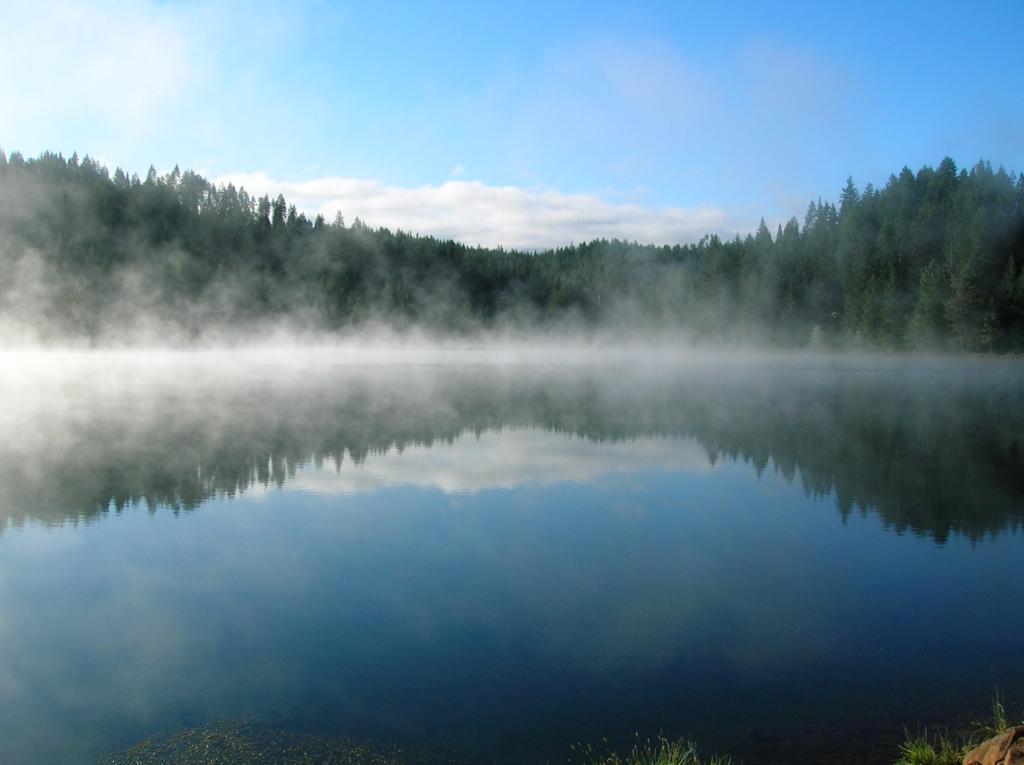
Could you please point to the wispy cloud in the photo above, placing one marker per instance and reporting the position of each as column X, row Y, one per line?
column 120, row 64
column 509, row 216
column 144, row 81
column 598, row 108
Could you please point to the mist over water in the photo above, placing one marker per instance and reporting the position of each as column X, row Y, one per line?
column 505, row 549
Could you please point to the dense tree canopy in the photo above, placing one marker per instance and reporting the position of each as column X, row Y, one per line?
column 934, row 260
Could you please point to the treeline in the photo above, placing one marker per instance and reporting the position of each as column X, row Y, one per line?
column 932, row 261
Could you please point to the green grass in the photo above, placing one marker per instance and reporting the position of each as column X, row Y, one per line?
column 252, row 743
column 660, row 751
column 945, row 748
column 998, row 723
column 923, row 749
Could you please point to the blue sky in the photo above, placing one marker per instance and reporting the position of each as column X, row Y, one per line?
column 655, row 121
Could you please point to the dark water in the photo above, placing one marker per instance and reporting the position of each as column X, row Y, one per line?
column 505, row 559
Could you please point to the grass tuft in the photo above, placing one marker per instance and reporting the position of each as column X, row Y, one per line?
column 946, row 749
column 940, row 749
column 998, row 723
column 660, row 751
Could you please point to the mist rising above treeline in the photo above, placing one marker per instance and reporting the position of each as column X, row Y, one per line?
column 932, row 261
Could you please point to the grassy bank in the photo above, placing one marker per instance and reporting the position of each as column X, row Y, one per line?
column 252, row 743
column 946, row 747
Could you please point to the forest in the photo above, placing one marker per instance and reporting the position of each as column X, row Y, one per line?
column 932, row 261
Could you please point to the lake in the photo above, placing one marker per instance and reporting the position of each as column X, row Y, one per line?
column 499, row 555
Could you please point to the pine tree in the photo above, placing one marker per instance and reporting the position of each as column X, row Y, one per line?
column 928, row 323
column 963, row 307
column 849, row 197
column 278, row 211
column 1004, row 317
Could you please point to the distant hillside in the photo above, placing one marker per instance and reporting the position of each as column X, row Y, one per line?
column 934, row 260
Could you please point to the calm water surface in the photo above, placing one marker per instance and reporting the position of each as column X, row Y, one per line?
column 508, row 558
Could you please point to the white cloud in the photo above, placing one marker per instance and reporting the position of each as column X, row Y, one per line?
column 457, row 171
column 510, row 216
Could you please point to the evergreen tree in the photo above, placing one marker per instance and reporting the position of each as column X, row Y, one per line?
column 928, row 324
column 278, row 211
